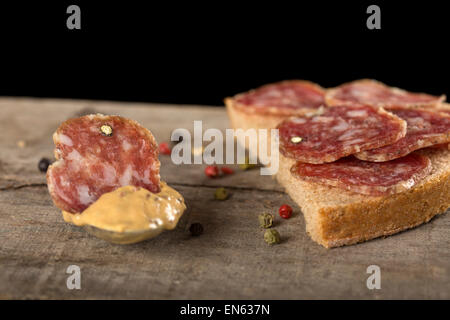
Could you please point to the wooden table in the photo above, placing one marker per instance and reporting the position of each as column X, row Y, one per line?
column 229, row 261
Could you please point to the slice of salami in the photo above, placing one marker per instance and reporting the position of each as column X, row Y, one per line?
column 425, row 128
column 97, row 154
column 369, row 178
column 446, row 109
column 282, row 98
column 338, row 132
column 441, row 146
column 375, row 93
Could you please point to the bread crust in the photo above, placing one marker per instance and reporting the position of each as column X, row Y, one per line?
column 336, row 217
column 253, row 120
column 245, row 121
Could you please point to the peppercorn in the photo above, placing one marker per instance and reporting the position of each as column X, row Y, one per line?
column 43, row 164
column 196, row 229
column 106, row 130
column 212, row 171
column 247, row 165
column 164, row 148
column 296, row 139
column 227, row 170
column 285, row 211
column 271, row 236
column 265, row 220
column 221, row 194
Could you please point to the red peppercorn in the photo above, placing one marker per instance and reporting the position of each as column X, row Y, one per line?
column 227, row 170
column 212, row 171
column 164, row 148
column 285, row 211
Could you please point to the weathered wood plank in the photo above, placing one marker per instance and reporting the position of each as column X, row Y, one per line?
column 230, row 260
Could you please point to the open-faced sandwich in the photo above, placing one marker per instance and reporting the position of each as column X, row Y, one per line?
column 362, row 160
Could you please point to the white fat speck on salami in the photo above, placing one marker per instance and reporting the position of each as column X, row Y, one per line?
column 90, row 163
column 339, row 132
column 424, row 128
column 369, row 178
column 282, row 98
column 375, row 93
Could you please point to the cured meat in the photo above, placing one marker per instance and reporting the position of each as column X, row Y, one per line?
column 375, row 93
column 425, row 128
column 338, row 132
column 282, row 98
column 97, row 154
column 369, row 178
column 441, row 146
column 446, row 109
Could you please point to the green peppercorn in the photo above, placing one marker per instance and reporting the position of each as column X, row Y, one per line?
column 247, row 165
column 221, row 194
column 271, row 236
column 265, row 220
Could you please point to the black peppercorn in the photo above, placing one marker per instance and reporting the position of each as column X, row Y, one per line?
column 43, row 164
column 196, row 229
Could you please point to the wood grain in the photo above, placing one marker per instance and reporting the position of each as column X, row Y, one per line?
column 229, row 261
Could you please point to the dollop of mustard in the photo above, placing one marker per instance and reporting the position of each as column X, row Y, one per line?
column 132, row 209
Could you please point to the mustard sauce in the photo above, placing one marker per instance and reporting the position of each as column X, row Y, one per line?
column 132, row 209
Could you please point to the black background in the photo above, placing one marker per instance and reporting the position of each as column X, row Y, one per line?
column 195, row 52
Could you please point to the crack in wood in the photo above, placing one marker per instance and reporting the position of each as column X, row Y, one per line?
column 21, row 186
column 225, row 186
column 32, row 185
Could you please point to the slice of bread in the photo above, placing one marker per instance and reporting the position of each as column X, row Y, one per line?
column 243, row 120
column 250, row 120
column 335, row 217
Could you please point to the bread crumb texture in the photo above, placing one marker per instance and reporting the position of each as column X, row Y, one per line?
column 336, row 217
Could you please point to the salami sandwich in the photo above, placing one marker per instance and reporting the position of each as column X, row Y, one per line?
column 362, row 160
